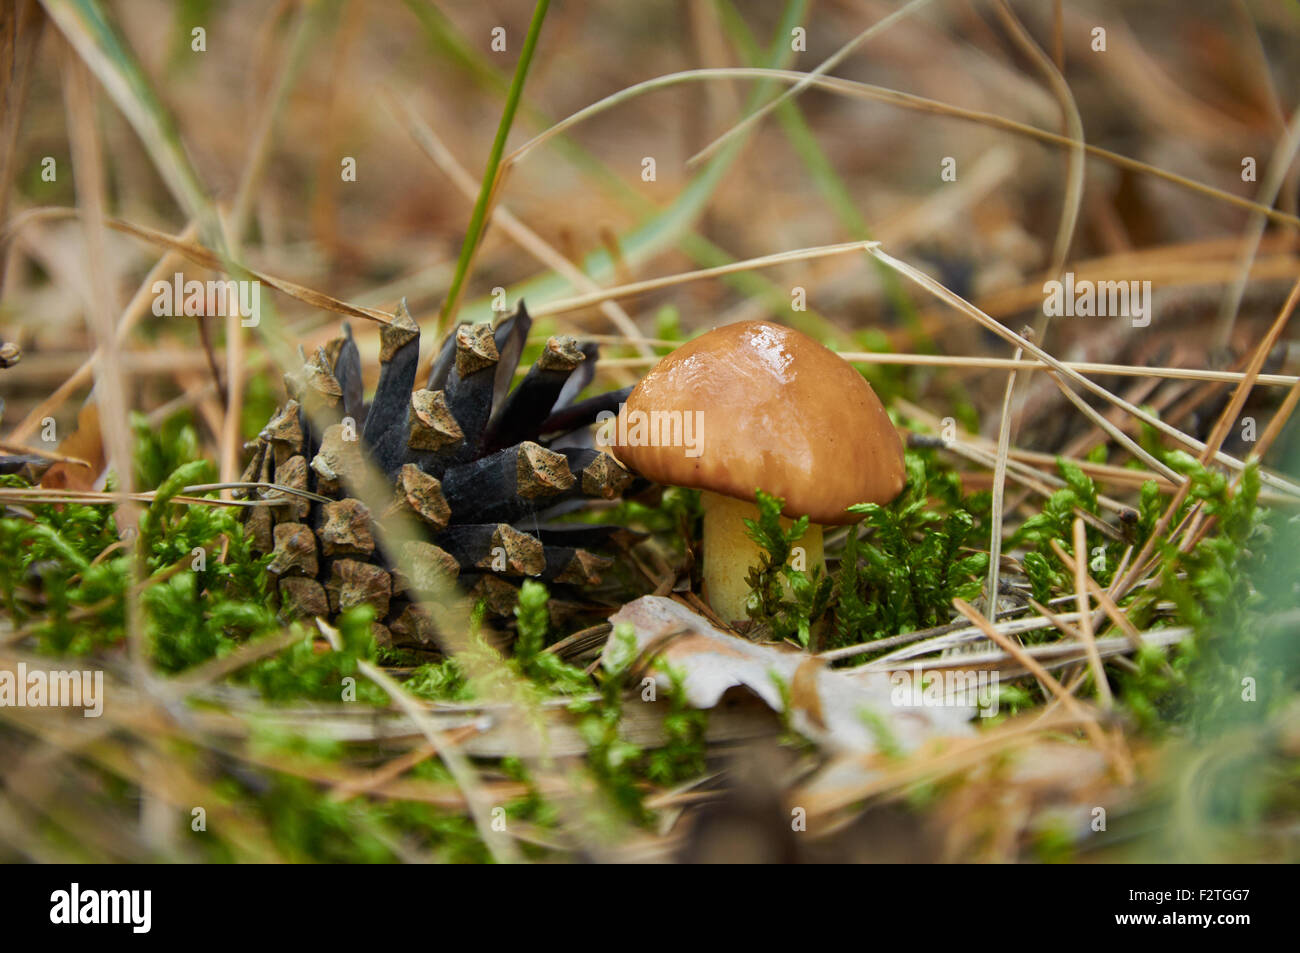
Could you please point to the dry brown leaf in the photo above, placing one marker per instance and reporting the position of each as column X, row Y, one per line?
column 836, row 711
column 84, row 443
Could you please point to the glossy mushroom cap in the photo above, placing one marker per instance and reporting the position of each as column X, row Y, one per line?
column 779, row 412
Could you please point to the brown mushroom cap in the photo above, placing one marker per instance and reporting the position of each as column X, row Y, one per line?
column 781, row 413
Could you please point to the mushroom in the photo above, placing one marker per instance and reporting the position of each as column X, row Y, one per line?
column 750, row 406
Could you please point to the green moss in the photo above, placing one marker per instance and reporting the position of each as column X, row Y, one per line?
column 789, row 601
column 612, row 760
column 683, row 753
column 301, row 672
column 444, row 681
column 918, row 556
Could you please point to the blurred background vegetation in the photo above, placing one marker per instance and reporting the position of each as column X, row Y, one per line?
column 285, row 98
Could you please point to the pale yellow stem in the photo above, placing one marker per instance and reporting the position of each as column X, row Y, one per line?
column 729, row 553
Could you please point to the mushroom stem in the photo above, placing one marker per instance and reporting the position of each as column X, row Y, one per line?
column 729, row 553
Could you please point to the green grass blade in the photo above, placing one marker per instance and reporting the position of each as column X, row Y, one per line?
column 648, row 238
column 478, row 219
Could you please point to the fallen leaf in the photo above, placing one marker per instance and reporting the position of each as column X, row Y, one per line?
column 84, row 443
column 838, row 712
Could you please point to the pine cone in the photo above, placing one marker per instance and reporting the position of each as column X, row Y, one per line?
column 482, row 467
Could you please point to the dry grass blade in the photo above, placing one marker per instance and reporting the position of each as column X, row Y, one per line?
column 102, row 50
column 125, row 323
column 917, row 644
column 907, row 101
column 111, row 388
column 999, row 486
column 1119, row 436
column 1226, row 419
column 1074, row 128
column 50, row 455
column 1103, row 597
column 579, row 302
column 246, row 654
column 1086, row 718
column 1276, row 424
column 1085, row 614
column 1283, row 157
column 502, row 847
column 527, row 239
column 965, row 307
column 209, row 259
column 824, row 67
column 1082, row 367
column 21, row 25
column 962, row 362
column 1242, row 391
